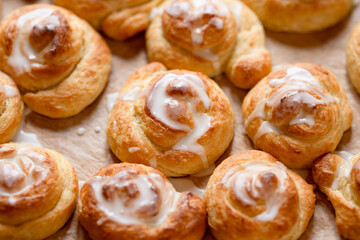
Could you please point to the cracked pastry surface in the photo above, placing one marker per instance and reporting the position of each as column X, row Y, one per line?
column 118, row 19
column 210, row 36
column 176, row 121
column 251, row 195
column 338, row 176
column 11, row 108
column 38, row 191
column 58, row 61
column 353, row 57
column 300, row 16
column 297, row 113
column 133, row 201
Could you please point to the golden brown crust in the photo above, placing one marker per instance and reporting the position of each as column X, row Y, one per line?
column 253, row 196
column 299, row 116
column 301, row 16
column 60, row 63
column 11, row 108
column 184, row 218
column 338, row 179
column 189, row 131
column 210, row 37
column 38, row 191
column 118, row 19
column 353, row 57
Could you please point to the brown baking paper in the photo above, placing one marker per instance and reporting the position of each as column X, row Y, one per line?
column 82, row 138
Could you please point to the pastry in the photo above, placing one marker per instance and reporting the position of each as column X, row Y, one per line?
column 11, row 108
column 58, row 61
column 251, row 195
column 338, row 176
column 353, row 57
column 300, row 16
column 210, row 36
column 297, row 113
column 177, row 121
column 38, row 192
column 118, row 19
column 131, row 201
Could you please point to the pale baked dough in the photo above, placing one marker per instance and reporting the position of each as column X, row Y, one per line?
column 210, row 36
column 297, row 113
column 38, row 192
column 58, row 61
column 300, row 16
column 118, row 19
column 338, row 176
column 178, row 121
column 131, row 201
column 353, row 57
column 11, row 108
column 251, row 195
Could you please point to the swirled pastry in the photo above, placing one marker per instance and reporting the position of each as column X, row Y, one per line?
column 59, row 62
column 177, row 121
column 251, row 195
column 131, row 201
column 353, row 57
column 297, row 113
column 301, row 16
column 11, row 108
column 38, row 192
column 118, row 19
column 210, row 36
column 338, row 176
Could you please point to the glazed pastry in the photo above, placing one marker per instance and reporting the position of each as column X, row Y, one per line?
column 300, row 16
column 297, row 113
column 338, row 176
column 251, row 195
column 353, row 57
column 11, row 108
column 59, row 62
column 179, row 122
column 210, row 36
column 131, row 201
column 118, row 19
column 38, row 192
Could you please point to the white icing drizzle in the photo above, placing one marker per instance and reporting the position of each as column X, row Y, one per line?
column 158, row 100
column 22, row 54
column 209, row 56
column 81, row 131
column 26, row 137
column 296, row 79
column 111, row 99
column 344, row 169
column 133, row 149
column 9, row 91
column 19, row 171
column 246, row 178
column 142, row 188
column 193, row 10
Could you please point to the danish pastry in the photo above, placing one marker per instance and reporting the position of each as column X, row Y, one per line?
column 38, row 192
column 353, row 57
column 297, row 113
column 251, row 195
column 301, row 16
column 59, row 62
column 177, row 121
column 131, row 201
column 118, row 19
column 210, row 36
column 338, row 176
column 11, row 108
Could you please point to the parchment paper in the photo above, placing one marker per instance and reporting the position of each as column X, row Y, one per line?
column 82, row 138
